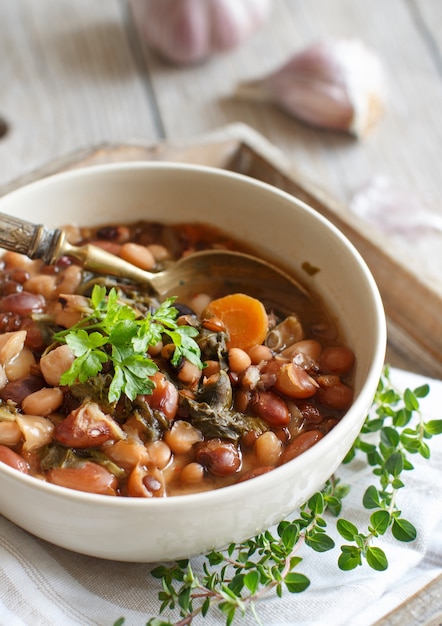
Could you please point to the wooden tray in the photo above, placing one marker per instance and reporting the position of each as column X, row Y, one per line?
column 413, row 307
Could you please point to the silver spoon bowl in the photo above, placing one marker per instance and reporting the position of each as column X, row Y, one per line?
column 216, row 272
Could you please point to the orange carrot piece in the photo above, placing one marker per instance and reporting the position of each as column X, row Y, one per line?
column 244, row 317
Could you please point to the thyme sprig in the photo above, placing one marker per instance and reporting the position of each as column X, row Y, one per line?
column 234, row 580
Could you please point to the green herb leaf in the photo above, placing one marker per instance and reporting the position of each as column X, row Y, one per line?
column 376, row 559
column 115, row 333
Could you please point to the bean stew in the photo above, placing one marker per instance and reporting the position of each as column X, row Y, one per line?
column 221, row 388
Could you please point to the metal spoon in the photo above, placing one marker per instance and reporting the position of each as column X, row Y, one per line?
column 216, row 272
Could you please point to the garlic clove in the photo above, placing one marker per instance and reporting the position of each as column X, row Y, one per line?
column 190, row 31
column 333, row 84
column 393, row 210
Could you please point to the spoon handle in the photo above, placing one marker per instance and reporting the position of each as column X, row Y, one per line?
column 33, row 240
column 38, row 242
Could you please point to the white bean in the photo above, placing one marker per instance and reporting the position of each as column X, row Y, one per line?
column 55, row 363
column 43, row 402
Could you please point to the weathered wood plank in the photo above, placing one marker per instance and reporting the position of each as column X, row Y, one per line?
column 69, row 79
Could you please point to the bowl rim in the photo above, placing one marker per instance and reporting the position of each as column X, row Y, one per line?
column 361, row 403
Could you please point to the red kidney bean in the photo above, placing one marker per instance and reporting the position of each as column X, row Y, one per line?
column 34, row 338
column 164, row 396
column 218, row 457
column 9, row 287
column 309, row 412
column 17, row 390
column 9, row 322
column 338, row 397
column 89, row 477
column 23, row 303
column 87, row 427
column 337, row 360
column 14, row 460
column 300, row 444
column 270, row 407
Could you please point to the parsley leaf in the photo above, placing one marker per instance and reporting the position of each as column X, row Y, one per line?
column 115, row 333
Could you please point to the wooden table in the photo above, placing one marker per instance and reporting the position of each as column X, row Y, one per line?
column 76, row 74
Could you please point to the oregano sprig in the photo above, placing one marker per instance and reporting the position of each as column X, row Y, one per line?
column 398, row 421
column 233, row 580
column 114, row 332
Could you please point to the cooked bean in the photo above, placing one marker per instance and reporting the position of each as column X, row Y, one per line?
column 21, row 366
column 36, row 430
column 70, row 280
column 295, row 382
column 218, row 457
column 14, row 460
column 23, row 303
column 192, row 473
column 270, row 407
column 42, row 284
column 309, row 412
column 182, row 436
column 55, row 363
column 87, row 427
column 199, row 303
column 189, row 373
column 17, row 390
column 43, row 402
column 145, row 483
column 138, row 255
column 89, row 477
column 239, row 360
column 159, row 454
column 338, row 397
column 34, row 336
column 159, row 253
column 337, row 360
column 164, row 396
column 300, row 444
column 15, row 260
column 11, row 344
column 259, row 353
column 211, row 367
column 268, row 448
column 128, row 454
column 310, row 348
column 10, row 433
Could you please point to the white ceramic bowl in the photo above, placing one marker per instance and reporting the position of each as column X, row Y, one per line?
column 286, row 231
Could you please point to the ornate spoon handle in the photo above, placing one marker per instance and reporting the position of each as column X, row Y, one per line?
column 33, row 240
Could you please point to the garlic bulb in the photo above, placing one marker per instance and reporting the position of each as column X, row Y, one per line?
column 189, row 31
column 335, row 84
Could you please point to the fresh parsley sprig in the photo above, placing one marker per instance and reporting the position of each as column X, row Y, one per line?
column 233, row 580
column 114, row 332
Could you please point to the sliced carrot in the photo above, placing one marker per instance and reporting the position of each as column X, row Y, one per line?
column 244, row 317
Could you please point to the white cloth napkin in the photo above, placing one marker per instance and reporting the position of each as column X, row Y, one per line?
column 43, row 585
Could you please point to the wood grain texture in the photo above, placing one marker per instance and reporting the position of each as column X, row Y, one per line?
column 69, row 79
